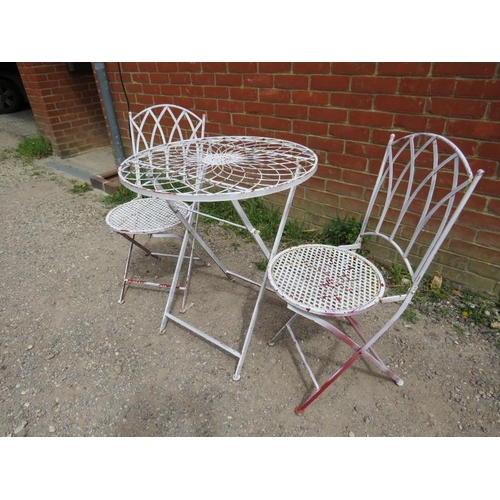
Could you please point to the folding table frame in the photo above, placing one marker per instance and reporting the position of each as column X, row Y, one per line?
column 213, row 169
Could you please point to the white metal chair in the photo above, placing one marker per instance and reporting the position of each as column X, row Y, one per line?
column 422, row 186
column 154, row 126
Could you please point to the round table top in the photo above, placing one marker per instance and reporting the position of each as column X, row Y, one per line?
column 218, row 168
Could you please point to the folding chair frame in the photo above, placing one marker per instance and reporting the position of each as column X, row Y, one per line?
column 437, row 157
column 153, row 126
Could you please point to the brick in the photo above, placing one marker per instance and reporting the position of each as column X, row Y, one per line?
column 310, row 97
column 457, row 107
column 329, row 172
column 132, row 67
column 415, row 123
column 365, row 150
column 189, row 66
column 203, row 79
column 397, row 103
column 229, row 79
column 463, row 233
column 141, row 78
column 371, row 118
column 328, row 114
column 151, row 89
column 487, row 222
column 270, row 122
column 489, row 89
column 311, row 67
column 256, row 80
column 291, row 81
column 427, row 86
column 290, row 111
column 242, row 67
column 354, row 68
column 475, row 251
column 232, row 106
column 314, row 184
column 170, row 90
column 353, row 205
column 233, row 130
column 404, row 68
column 347, row 161
column 322, row 197
column 163, row 67
column 350, row 132
column 192, row 91
column 490, row 150
column 474, row 129
column 489, row 167
column 495, row 111
column 463, row 69
column 351, row 190
column 318, row 144
column 216, row 92
column 330, row 82
column 275, row 67
column 494, row 208
column 244, row 94
column 275, row 95
column 488, row 238
column 246, row 120
column 351, row 101
column 358, row 178
column 374, row 84
column 147, row 67
column 261, row 108
column 178, row 78
column 308, row 127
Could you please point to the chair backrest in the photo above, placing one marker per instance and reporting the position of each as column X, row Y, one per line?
column 163, row 124
column 422, row 186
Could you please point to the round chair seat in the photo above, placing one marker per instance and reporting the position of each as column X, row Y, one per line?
column 326, row 280
column 144, row 216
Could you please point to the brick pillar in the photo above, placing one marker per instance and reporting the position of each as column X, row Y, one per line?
column 66, row 107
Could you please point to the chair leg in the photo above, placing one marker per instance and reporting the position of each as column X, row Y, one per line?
column 127, row 264
column 192, row 254
column 290, row 322
column 366, row 351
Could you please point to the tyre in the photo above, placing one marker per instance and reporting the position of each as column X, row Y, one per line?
column 11, row 98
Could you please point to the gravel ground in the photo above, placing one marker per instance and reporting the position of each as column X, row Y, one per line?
column 74, row 362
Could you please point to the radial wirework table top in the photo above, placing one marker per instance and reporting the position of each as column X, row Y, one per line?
column 218, row 168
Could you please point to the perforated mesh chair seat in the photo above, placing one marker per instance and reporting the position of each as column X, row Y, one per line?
column 326, row 280
column 144, row 216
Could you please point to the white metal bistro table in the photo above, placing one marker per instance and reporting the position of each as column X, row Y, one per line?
column 224, row 168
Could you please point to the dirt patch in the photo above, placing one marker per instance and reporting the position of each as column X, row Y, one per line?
column 74, row 362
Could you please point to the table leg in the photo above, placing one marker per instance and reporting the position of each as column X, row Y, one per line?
column 253, row 320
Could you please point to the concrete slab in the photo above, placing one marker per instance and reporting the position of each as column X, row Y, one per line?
column 95, row 167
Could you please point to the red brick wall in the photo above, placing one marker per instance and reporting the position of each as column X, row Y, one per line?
column 66, row 107
column 346, row 112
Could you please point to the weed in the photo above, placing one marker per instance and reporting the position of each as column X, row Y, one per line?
column 410, row 315
column 341, row 231
column 261, row 265
column 31, row 148
column 263, row 218
column 81, row 188
column 122, row 195
column 475, row 310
